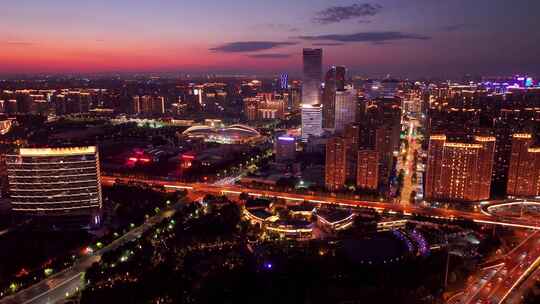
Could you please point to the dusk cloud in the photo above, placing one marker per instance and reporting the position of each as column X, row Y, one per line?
column 270, row 56
column 374, row 37
column 328, row 44
column 335, row 14
column 457, row 27
column 250, row 46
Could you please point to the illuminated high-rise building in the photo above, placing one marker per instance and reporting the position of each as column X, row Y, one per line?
column 311, row 120
column 376, row 137
column 459, row 171
column 386, row 139
column 271, row 109
column 352, row 138
column 264, row 106
column 311, row 82
column 149, row 105
column 77, row 102
column 524, row 171
column 435, row 156
column 56, row 186
column 295, row 99
column 285, row 148
column 336, row 162
column 251, row 106
column 72, row 102
column 334, row 81
column 486, row 159
column 311, row 93
column 367, row 176
column 345, row 110
column 284, row 81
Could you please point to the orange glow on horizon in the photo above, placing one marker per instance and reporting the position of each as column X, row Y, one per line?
column 124, row 56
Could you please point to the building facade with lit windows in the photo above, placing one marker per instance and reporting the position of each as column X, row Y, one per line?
column 367, row 176
column 311, row 121
column 56, row 187
column 334, row 81
column 459, row 171
column 251, row 107
column 336, row 164
column 524, row 171
column 149, row 105
column 311, row 107
column 264, row 106
column 312, row 76
column 285, row 148
column 345, row 109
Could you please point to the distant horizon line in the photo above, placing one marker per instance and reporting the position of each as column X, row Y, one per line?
column 171, row 75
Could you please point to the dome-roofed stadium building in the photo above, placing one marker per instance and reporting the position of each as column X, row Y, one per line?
column 234, row 134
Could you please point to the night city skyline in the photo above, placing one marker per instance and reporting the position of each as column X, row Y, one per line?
column 418, row 38
column 269, row 152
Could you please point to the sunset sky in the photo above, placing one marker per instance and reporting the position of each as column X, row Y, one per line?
column 400, row 37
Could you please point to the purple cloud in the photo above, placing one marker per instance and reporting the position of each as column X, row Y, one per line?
column 335, row 14
column 374, row 37
column 270, row 56
column 250, row 46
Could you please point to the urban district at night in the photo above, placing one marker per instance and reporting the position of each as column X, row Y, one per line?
column 306, row 151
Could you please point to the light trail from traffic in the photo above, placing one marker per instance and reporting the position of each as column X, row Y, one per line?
column 409, row 210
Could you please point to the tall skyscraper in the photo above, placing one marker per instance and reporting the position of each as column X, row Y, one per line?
column 311, row 93
column 334, row 81
column 524, row 172
column 345, row 110
column 56, row 186
column 311, row 84
column 459, row 171
column 336, row 162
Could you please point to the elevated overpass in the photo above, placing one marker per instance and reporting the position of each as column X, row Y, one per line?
column 233, row 190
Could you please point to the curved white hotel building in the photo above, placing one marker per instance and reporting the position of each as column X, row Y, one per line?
column 57, row 187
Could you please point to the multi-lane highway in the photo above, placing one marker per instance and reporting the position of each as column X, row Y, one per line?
column 408, row 166
column 500, row 283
